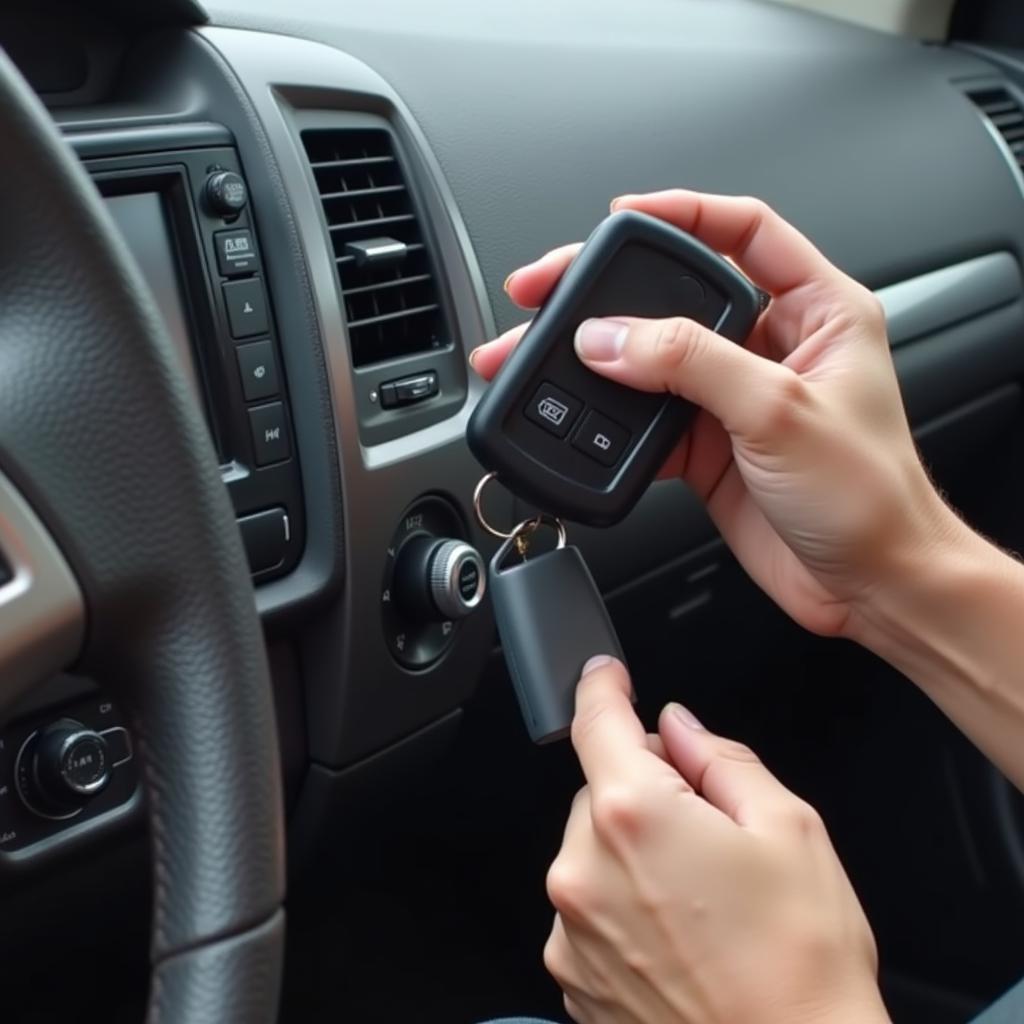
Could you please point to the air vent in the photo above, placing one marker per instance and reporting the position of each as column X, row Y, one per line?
column 1006, row 115
column 392, row 300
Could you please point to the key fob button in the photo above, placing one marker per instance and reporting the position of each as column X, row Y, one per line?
column 601, row 438
column 553, row 409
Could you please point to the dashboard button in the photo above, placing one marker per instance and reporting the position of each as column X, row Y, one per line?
column 601, row 438
column 553, row 409
column 236, row 253
column 408, row 390
column 258, row 367
column 246, row 303
column 226, row 193
column 269, row 427
column 265, row 536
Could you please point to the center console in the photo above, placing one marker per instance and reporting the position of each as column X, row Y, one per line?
column 185, row 215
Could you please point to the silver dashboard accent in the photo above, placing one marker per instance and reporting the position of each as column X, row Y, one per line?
column 934, row 301
column 42, row 613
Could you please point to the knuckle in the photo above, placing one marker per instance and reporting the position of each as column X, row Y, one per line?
column 556, row 958
column 734, row 750
column 785, row 402
column 568, row 888
column 585, row 721
column 618, row 812
column 676, row 342
column 804, row 820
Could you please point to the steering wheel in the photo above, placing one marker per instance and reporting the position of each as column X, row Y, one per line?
column 123, row 558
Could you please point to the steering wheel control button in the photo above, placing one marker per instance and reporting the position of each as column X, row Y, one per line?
column 57, row 770
column 226, row 194
column 119, row 745
column 269, row 427
column 236, row 253
column 84, row 766
column 265, row 536
column 409, row 390
column 246, row 303
column 61, row 767
column 553, row 409
column 601, row 438
column 258, row 367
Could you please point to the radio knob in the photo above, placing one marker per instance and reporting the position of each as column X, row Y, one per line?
column 226, row 193
column 62, row 767
column 438, row 579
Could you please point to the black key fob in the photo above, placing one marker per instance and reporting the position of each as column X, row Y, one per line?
column 551, row 621
column 572, row 442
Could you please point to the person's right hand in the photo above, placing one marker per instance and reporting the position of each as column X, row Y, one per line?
column 802, row 450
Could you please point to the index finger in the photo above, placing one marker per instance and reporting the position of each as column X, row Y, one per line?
column 609, row 739
column 529, row 286
column 767, row 248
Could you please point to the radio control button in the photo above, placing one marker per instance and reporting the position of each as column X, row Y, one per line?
column 269, row 426
column 226, row 193
column 246, row 302
column 265, row 536
column 236, row 253
column 258, row 368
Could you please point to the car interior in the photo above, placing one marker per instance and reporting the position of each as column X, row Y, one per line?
column 256, row 762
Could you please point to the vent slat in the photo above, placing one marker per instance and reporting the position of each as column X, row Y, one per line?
column 361, row 161
column 382, row 318
column 1006, row 115
column 361, row 193
column 400, row 282
column 392, row 309
column 368, row 226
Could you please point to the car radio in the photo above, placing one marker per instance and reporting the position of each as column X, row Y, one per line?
column 186, row 218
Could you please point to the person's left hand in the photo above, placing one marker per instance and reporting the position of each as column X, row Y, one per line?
column 693, row 887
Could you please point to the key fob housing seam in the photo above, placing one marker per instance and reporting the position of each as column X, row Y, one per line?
column 568, row 440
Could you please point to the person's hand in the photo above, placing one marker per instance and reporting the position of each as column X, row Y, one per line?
column 693, row 888
column 802, row 450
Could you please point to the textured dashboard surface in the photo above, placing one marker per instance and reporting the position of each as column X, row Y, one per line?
column 539, row 113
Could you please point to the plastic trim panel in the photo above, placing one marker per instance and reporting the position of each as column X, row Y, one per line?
column 931, row 302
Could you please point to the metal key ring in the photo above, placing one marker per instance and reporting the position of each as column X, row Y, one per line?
column 528, row 526
column 479, row 512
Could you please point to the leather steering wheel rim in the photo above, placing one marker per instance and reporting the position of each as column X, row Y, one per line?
column 101, row 437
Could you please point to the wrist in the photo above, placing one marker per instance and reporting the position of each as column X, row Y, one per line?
column 926, row 610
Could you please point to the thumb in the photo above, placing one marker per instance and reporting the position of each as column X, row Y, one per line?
column 686, row 359
column 729, row 775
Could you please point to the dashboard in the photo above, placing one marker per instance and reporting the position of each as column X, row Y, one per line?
column 325, row 203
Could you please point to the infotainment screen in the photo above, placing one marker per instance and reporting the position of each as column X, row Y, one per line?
column 142, row 220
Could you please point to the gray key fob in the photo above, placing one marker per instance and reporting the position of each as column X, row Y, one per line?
column 551, row 620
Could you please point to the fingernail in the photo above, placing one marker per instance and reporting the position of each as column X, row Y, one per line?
column 618, row 201
column 508, row 280
column 685, row 715
column 472, row 358
column 596, row 662
column 600, row 341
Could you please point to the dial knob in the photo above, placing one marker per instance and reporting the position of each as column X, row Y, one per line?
column 61, row 767
column 226, row 193
column 439, row 579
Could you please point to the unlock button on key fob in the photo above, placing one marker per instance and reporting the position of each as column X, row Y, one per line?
column 553, row 409
column 601, row 439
